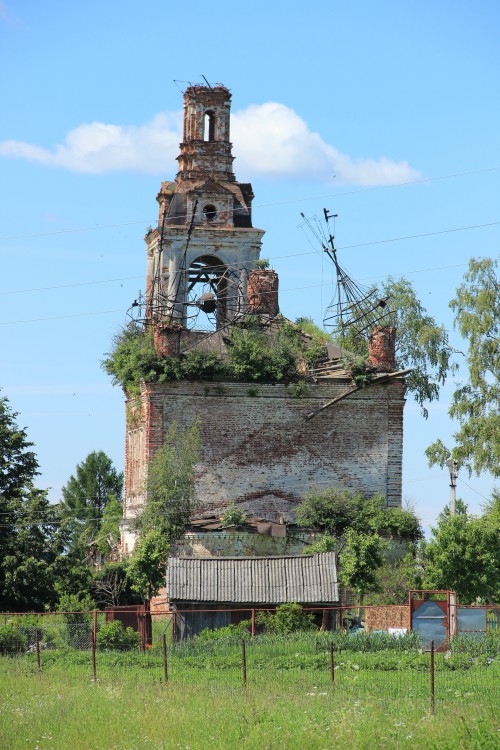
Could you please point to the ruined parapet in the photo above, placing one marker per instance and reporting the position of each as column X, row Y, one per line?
column 167, row 340
column 262, row 292
column 382, row 349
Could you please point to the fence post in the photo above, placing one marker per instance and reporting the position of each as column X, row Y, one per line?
column 332, row 665
column 94, row 626
column 432, row 678
column 253, row 622
column 94, row 670
column 244, row 662
column 37, row 645
column 165, row 666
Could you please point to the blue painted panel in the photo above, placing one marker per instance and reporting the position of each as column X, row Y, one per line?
column 428, row 621
column 471, row 621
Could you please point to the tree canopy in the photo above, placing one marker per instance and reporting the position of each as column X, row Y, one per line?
column 91, row 501
column 170, row 483
column 421, row 344
column 335, row 511
column 476, row 400
column 29, row 537
column 463, row 554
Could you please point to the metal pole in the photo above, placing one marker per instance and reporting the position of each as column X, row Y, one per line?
column 165, row 666
column 432, row 678
column 453, row 467
column 37, row 644
column 94, row 671
column 253, row 622
column 244, row 662
column 94, row 627
column 332, row 665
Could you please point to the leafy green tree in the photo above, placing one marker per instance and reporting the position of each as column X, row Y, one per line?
column 148, row 564
column 29, row 565
column 170, row 492
column 394, row 578
column 29, row 537
column 360, row 558
column 463, row 554
column 335, row 511
column 96, row 485
column 329, row 509
column 109, row 532
column 421, row 344
column 475, row 404
column 170, row 483
column 325, row 543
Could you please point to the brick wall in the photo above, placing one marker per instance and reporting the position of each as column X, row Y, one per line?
column 382, row 618
column 258, row 449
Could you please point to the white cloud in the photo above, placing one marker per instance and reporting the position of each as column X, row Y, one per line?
column 270, row 140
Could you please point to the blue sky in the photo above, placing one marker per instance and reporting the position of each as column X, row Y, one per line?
column 386, row 113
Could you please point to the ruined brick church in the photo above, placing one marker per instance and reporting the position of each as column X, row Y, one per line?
column 262, row 447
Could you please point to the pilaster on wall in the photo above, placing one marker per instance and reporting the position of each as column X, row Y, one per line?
column 143, row 438
column 395, row 450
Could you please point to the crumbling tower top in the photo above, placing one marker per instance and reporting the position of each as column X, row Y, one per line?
column 204, row 246
column 206, row 149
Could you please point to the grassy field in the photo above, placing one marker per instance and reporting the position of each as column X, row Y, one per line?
column 51, row 712
column 380, row 697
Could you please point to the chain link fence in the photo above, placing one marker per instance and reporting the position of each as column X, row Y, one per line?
column 337, row 652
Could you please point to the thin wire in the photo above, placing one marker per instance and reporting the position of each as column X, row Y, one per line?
column 267, row 205
column 68, row 286
column 472, row 488
column 289, row 255
column 290, row 289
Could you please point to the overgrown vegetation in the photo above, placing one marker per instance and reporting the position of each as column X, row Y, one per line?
column 11, row 641
column 334, row 511
column 113, row 636
column 233, row 516
column 254, row 354
column 294, row 710
column 358, row 529
column 288, row 618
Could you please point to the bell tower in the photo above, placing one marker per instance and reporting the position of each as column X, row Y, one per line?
column 201, row 252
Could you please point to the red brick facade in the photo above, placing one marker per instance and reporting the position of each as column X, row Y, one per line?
column 259, row 450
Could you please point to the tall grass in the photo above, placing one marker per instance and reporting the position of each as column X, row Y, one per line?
column 51, row 712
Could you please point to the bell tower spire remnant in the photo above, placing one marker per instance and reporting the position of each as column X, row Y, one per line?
column 201, row 252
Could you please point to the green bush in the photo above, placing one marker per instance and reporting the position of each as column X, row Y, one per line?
column 288, row 618
column 228, row 634
column 10, row 640
column 233, row 516
column 114, row 637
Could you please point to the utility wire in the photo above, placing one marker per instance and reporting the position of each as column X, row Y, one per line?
column 423, row 180
column 282, row 257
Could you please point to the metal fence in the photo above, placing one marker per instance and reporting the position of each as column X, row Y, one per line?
column 338, row 652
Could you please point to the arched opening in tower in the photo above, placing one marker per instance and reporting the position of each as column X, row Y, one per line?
column 213, row 290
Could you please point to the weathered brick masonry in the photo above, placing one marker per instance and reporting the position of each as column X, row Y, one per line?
column 259, row 450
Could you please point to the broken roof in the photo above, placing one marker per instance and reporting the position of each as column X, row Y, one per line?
column 306, row 579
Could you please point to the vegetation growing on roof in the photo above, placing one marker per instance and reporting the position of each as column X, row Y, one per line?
column 233, row 516
column 254, row 354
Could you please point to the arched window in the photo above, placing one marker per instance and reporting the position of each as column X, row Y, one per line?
column 209, row 126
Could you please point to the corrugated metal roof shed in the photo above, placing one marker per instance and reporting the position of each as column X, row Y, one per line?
column 254, row 580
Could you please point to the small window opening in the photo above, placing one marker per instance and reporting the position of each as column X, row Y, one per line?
column 209, row 212
column 209, row 127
